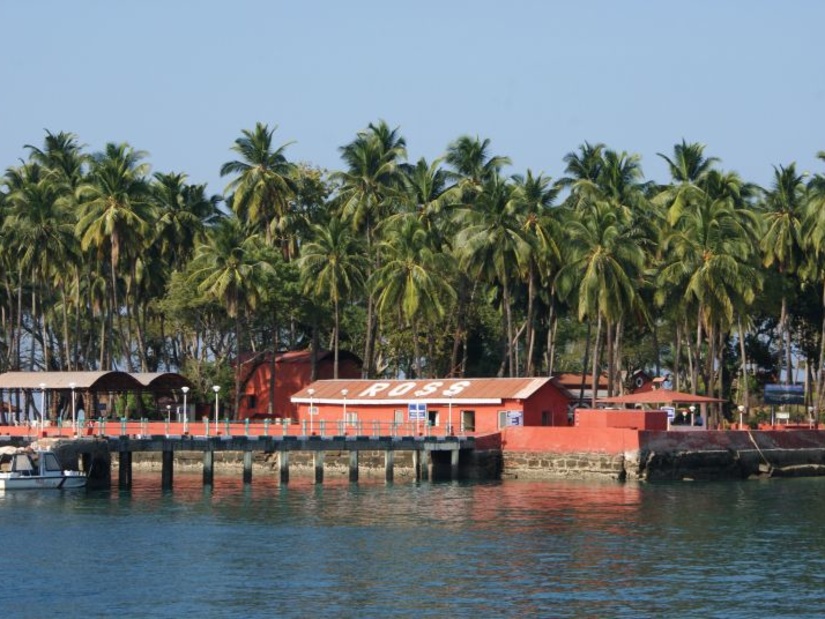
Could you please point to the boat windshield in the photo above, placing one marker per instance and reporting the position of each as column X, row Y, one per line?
column 50, row 462
column 22, row 463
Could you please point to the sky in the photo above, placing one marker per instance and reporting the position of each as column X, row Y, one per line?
column 181, row 79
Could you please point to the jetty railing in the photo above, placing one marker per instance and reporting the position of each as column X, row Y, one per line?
column 225, row 428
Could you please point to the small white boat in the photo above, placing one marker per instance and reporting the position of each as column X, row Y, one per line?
column 27, row 469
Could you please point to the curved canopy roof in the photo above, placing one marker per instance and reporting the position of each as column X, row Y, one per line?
column 92, row 381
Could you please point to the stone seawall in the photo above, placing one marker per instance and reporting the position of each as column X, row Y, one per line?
column 681, row 456
column 729, row 455
column 537, row 465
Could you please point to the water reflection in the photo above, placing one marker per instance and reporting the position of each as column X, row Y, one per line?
column 562, row 548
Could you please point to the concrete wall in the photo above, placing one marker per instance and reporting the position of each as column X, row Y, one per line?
column 658, row 455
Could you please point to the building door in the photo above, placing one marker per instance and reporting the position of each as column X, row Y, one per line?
column 432, row 417
column 468, row 421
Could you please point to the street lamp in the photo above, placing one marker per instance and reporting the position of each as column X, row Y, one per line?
column 310, row 391
column 344, row 393
column 42, row 405
column 692, row 410
column 216, row 389
column 741, row 412
column 72, row 386
column 185, row 391
column 450, row 414
column 168, row 414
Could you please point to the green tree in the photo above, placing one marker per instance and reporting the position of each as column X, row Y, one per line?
column 264, row 184
column 115, row 218
column 369, row 190
column 782, row 243
column 332, row 267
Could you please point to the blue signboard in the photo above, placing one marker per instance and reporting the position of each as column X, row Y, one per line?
column 417, row 411
column 515, row 418
column 784, row 394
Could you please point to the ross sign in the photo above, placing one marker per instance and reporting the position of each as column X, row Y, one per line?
column 313, row 410
column 515, row 418
column 784, row 394
column 417, row 411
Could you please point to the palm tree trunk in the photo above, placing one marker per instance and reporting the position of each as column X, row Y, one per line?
column 820, row 375
column 611, row 368
column 531, row 331
column 786, row 324
column 596, row 359
column 745, row 387
column 336, row 337
column 617, row 348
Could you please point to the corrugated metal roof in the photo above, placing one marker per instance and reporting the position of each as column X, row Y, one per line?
column 433, row 390
column 568, row 379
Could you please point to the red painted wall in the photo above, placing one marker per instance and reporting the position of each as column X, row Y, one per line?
column 570, row 440
column 290, row 377
column 626, row 418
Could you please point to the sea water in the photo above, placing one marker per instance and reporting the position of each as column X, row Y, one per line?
column 507, row 549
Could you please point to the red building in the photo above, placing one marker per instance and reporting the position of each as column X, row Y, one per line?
column 481, row 405
column 293, row 371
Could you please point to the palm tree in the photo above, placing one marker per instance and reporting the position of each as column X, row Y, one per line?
column 369, row 188
column 227, row 269
column 492, row 246
column 708, row 264
column 533, row 200
column 184, row 214
column 412, row 279
column 815, row 242
column 38, row 218
column 264, row 186
column 605, row 269
column 472, row 163
column 782, row 243
column 115, row 216
column 332, row 268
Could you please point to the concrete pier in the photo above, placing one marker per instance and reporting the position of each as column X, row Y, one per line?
column 353, row 466
column 389, row 465
column 167, row 469
column 247, row 467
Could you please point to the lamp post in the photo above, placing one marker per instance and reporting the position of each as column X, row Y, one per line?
column 168, row 414
column 216, row 389
column 741, row 412
column 692, row 410
column 310, row 391
column 42, row 405
column 185, row 391
column 450, row 413
column 72, row 386
column 344, row 393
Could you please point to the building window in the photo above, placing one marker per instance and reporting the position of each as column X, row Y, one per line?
column 432, row 417
column 398, row 416
column 545, row 418
column 352, row 418
column 468, row 421
column 251, row 401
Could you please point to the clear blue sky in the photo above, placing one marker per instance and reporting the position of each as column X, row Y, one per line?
column 181, row 79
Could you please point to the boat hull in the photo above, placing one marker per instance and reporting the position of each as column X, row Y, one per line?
column 36, row 482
